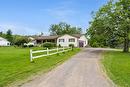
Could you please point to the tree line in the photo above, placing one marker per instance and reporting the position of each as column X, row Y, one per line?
column 64, row 28
column 18, row 40
column 55, row 29
column 111, row 25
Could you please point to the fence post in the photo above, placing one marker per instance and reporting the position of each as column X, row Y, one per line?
column 57, row 49
column 69, row 48
column 72, row 48
column 63, row 49
column 47, row 51
column 31, row 56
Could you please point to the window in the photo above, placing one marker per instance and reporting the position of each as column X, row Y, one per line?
column 8, row 43
column 61, row 40
column 72, row 40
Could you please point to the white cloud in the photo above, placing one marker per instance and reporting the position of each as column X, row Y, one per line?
column 62, row 11
column 18, row 29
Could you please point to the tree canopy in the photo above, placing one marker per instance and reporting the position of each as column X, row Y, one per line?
column 111, row 25
column 9, row 36
column 64, row 28
column 18, row 40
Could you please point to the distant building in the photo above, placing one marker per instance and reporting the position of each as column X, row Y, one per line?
column 4, row 42
column 64, row 40
column 32, row 41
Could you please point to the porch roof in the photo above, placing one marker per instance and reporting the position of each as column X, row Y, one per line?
column 55, row 37
column 47, row 37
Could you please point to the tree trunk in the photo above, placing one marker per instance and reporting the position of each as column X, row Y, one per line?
column 126, row 44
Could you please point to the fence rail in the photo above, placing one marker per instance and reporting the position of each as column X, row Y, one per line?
column 48, row 52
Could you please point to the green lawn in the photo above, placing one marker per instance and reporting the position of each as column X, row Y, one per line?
column 117, row 65
column 15, row 64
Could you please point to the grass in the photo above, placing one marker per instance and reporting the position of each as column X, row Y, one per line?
column 15, row 64
column 117, row 65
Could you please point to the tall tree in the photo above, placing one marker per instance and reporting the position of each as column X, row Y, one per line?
column 64, row 28
column 9, row 36
column 112, row 23
column 122, row 9
column 1, row 33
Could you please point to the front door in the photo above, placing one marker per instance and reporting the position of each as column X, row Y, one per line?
column 81, row 43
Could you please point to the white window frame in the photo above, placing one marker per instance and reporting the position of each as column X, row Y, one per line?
column 61, row 40
column 72, row 40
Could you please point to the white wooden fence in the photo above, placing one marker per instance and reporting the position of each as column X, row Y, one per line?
column 48, row 52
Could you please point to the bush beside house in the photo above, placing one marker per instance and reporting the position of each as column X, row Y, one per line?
column 49, row 45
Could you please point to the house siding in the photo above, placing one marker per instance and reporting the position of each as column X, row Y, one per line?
column 4, row 42
column 66, row 40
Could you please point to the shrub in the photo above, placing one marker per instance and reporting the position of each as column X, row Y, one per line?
column 94, row 44
column 24, row 46
column 59, row 45
column 54, row 44
column 30, row 45
column 19, row 41
column 71, row 45
column 49, row 45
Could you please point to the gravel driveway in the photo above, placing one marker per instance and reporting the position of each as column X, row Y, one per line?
column 82, row 70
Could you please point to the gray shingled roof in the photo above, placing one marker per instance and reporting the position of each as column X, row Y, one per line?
column 46, row 37
column 55, row 37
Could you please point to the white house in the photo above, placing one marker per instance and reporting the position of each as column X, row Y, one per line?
column 4, row 42
column 76, row 40
column 65, row 40
column 32, row 41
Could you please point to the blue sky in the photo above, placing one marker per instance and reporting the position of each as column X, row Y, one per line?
column 35, row 16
